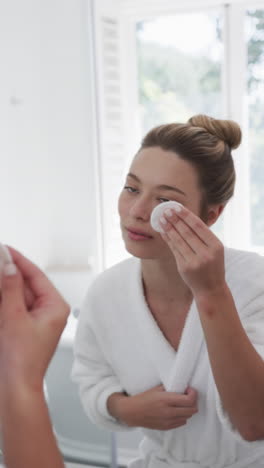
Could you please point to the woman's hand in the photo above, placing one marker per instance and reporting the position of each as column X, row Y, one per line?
column 198, row 252
column 155, row 408
column 28, row 334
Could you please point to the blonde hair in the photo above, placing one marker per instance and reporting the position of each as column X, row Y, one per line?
column 206, row 143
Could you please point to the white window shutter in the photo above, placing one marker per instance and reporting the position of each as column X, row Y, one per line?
column 111, row 134
column 110, row 37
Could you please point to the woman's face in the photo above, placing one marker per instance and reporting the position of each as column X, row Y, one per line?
column 155, row 176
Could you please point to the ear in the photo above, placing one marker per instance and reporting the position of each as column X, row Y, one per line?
column 214, row 211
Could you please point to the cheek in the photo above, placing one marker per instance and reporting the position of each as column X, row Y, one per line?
column 121, row 205
column 197, row 207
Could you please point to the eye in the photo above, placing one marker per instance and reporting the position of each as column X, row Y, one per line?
column 130, row 189
column 163, row 200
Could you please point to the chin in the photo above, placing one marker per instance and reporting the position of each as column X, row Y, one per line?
column 143, row 249
column 140, row 251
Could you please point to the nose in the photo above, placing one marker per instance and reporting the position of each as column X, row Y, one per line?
column 141, row 209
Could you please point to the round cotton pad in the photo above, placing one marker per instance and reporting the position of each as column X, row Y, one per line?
column 5, row 257
column 158, row 212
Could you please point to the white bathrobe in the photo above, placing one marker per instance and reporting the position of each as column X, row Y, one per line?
column 119, row 347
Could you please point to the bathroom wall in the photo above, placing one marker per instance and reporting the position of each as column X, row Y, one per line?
column 47, row 143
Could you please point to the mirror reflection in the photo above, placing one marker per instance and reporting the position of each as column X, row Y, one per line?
column 109, row 109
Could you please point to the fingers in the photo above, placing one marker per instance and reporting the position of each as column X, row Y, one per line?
column 191, row 393
column 6, row 258
column 187, row 234
column 160, row 388
column 39, row 290
column 178, row 417
column 181, row 237
column 178, row 422
column 29, row 297
column 5, row 255
column 35, row 278
column 157, row 388
column 188, row 238
column 178, row 245
column 12, row 297
column 183, row 412
column 193, row 222
column 188, row 399
column 184, row 407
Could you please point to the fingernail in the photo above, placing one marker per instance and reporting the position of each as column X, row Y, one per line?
column 177, row 208
column 163, row 220
column 168, row 212
column 9, row 269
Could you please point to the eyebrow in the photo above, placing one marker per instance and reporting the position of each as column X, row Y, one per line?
column 160, row 187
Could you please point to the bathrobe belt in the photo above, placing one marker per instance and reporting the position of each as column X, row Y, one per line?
column 155, row 461
column 158, row 462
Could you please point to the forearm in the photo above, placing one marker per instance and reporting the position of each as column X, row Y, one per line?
column 118, row 405
column 237, row 368
column 28, row 439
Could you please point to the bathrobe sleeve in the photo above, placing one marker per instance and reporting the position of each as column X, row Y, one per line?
column 249, row 299
column 255, row 331
column 92, row 371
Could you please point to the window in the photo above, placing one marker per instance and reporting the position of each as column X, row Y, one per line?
column 176, row 61
column 255, row 87
column 180, row 74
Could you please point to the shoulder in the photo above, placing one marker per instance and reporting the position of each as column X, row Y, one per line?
column 115, row 277
column 110, row 290
column 243, row 262
column 245, row 276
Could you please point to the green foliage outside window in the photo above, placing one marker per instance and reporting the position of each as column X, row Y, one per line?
column 174, row 85
column 255, row 26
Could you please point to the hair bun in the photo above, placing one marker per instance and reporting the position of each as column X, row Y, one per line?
column 226, row 130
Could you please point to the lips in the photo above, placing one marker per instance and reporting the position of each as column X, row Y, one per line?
column 137, row 234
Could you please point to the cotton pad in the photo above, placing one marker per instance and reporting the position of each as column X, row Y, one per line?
column 5, row 257
column 158, row 212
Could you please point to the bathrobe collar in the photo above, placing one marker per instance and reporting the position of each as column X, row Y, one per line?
column 175, row 368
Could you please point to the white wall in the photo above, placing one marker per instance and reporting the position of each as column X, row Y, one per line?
column 47, row 185
column 47, row 189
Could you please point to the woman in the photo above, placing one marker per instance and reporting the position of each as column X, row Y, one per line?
column 172, row 339
column 32, row 315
